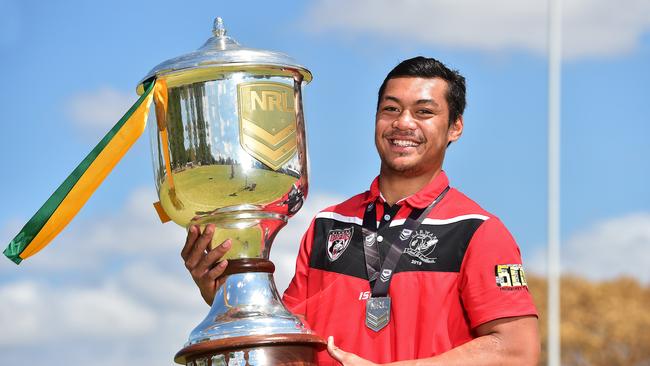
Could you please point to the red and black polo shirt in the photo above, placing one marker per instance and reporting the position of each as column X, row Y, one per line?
column 462, row 268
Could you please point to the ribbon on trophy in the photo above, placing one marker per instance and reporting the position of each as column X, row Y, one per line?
column 66, row 201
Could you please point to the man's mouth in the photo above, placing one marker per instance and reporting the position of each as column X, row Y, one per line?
column 403, row 143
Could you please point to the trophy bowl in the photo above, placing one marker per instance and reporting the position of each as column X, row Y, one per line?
column 228, row 147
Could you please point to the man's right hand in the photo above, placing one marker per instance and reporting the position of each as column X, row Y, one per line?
column 204, row 264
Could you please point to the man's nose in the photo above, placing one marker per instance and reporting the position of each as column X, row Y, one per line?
column 404, row 121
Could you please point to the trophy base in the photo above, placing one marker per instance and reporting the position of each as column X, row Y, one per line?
column 255, row 350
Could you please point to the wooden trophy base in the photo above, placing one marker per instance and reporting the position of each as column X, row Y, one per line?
column 256, row 350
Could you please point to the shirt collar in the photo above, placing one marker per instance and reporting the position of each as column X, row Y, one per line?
column 420, row 199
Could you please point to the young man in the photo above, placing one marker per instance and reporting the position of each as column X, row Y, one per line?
column 410, row 272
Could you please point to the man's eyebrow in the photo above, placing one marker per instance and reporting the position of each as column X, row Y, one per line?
column 427, row 101
column 394, row 99
column 419, row 101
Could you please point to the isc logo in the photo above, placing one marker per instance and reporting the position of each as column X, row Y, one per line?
column 270, row 100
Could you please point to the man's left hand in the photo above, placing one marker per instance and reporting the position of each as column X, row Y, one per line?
column 345, row 358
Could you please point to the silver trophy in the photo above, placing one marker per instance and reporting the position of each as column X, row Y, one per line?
column 228, row 148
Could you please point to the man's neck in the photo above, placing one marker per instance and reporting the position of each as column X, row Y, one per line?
column 395, row 187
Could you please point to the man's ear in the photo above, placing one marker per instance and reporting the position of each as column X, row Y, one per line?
column 455, row 130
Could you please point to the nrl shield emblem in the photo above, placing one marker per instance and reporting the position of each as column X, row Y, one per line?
column 337, row 241
column 405, row 234
column 267, row 122
column 377, row 313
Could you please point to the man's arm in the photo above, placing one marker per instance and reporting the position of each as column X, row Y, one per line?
column 507, row 341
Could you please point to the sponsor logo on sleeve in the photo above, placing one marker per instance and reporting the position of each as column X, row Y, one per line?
column 510, row 276
column 338, row 241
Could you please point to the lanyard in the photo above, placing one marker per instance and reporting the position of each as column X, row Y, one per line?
column 382, row 273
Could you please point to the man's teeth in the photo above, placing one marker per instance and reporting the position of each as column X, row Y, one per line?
column 405, row 143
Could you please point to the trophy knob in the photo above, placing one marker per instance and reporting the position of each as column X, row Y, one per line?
column 218, row 29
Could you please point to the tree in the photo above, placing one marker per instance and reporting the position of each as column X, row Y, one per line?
column 603, row 323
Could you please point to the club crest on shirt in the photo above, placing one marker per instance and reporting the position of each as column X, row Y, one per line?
column 422, row 245
column 337, row 242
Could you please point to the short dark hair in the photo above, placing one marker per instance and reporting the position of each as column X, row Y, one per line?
column 423, row 67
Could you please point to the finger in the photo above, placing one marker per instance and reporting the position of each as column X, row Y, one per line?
column 216, row 272
column 334, row 351
column 199, row 247
column 192, row 234
column 210, row 281
column 213, row 256
column 345, row 358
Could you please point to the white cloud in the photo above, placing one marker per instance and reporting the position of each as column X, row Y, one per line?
column 615, row 247
column 114, row 289
column 110, row 321
column 89, row 243
column 32, row 311
column 591, row 28
column 96, row 111
column 611, row 248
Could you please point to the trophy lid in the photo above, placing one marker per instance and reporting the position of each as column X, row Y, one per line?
column 221, row 50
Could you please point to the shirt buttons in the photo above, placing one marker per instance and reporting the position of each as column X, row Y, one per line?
column 386, row 217
column 380, row 238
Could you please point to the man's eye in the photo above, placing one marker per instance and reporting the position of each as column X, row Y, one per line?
column 425, row 111
column 390, row 109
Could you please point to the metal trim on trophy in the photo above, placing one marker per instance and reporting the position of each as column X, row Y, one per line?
column 229, row 149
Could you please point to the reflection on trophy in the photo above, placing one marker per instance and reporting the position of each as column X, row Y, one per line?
column 228, row 146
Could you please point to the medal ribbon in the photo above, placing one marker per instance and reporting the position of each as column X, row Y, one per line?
column 382, row 273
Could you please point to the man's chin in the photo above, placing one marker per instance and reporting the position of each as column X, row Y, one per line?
column 403, row 169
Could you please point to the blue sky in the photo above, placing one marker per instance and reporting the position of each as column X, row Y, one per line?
column 70, row 71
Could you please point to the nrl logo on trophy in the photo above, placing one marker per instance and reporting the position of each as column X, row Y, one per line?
column 267, row 122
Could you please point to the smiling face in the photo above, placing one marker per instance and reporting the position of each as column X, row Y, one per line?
column 412, row 128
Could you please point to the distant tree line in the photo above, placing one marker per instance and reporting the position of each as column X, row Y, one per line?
column 189, row 99
column 603, row 323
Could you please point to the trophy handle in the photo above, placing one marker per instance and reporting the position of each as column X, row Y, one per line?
column 300, row 127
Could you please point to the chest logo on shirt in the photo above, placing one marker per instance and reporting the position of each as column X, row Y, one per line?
column 337, row 242
column 422, row 245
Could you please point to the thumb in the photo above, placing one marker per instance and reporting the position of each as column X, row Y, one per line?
column 336, row 353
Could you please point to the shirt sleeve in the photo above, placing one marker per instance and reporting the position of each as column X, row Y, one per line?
column 295, row 296
column 492, row 279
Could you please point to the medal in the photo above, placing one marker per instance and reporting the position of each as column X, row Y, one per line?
column 380, row 272
column 377, row 312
